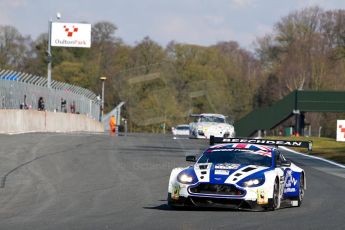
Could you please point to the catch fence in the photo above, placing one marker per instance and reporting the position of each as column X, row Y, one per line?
column 22, row 91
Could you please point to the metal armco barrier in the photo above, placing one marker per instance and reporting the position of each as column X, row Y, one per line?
column 22, row 90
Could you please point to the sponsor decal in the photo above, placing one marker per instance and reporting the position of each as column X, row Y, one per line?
column 268, row 142
column 262, row 197
column 290, row 182
column 260, row 152
column 289, row 190
column 227, row 166
column 221, row 172
column 228, row 150
column 175, row 193
column 305, row 144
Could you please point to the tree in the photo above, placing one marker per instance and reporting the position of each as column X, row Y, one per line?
column 15, row 49
column 103, row 32
column 305, row 51
column 147, row 55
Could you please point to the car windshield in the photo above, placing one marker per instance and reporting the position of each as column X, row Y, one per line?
column 212, row 119
column 182, row 127
column 236, row 156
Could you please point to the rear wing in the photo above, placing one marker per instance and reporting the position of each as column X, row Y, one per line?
column 200, row 115
column 288, row 143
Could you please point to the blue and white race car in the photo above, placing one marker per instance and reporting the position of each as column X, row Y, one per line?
column 240, row 174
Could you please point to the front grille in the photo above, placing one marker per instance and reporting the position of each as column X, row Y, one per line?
column 217, row 189
column 216, row 202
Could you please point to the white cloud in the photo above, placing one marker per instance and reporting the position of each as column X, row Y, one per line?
column 249, row 39
column 13, row 3
column 303, row 3
column 215, row 20
column 6, row 6
column 325, row 4
column 193, row 30
column 4, row 20
column 243, row 3
column 262, row 29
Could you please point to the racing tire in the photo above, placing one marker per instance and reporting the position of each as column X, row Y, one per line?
column 276, row 196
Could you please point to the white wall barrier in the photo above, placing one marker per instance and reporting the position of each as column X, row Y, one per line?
column 23, row 121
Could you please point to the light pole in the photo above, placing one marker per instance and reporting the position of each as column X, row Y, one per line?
column 102, row 103
column 49, row 54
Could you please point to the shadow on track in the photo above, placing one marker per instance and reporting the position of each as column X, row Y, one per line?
column 166, row 207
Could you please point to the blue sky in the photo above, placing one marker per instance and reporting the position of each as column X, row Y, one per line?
column 203, row 22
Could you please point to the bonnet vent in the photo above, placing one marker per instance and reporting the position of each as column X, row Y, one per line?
column 248, row 169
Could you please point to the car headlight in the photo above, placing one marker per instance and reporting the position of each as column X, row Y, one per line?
column 253, row 182
column 185, row 179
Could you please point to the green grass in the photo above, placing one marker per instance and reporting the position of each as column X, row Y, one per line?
column 324, row 147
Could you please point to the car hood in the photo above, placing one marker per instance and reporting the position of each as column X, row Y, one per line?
column 226, row 173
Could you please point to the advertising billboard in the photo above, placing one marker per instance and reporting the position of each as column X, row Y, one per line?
column 340, row 130
column 71, row 34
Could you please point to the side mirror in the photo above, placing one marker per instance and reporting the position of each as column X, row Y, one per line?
column 286, row 163
column 191, row 158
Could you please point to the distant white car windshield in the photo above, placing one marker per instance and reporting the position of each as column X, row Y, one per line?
column 212, row 119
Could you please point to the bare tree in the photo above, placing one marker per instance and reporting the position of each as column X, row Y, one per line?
column 14, row 48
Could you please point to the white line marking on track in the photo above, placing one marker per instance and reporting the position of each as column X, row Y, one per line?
column 180, row 138
column 314, row 157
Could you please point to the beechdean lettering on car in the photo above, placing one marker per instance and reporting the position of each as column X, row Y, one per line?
column 268, row 142
column 71, row 34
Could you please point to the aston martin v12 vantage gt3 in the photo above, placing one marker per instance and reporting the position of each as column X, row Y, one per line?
column 241, row 174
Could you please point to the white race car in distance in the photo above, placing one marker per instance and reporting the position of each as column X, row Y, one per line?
column 180, row 130
column 208, row 124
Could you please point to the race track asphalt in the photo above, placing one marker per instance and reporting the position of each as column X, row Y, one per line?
column 84, row 181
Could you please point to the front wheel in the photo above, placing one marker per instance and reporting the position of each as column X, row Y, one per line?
column 276, row 196
column 171, row 203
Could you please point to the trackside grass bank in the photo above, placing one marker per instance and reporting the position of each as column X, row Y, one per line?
column 324, row 147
